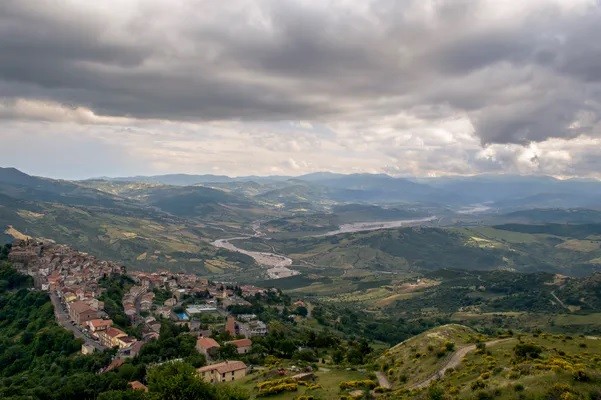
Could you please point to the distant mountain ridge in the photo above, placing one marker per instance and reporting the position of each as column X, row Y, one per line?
column 501, row 192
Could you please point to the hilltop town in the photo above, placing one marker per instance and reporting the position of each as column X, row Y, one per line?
column 79, row 286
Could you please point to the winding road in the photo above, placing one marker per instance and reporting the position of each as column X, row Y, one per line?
column 453, row 362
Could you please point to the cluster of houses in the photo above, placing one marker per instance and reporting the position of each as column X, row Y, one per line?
column 74, row 278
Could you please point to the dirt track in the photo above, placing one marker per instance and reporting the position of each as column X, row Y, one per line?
column 453, row 362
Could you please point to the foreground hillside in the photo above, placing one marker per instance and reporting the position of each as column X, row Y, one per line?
column 453, row 362
column 415, row 361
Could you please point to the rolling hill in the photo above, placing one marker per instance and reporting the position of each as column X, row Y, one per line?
column 537, row 366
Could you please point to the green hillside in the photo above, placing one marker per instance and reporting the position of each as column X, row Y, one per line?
column 413, row 361
column 536, row 366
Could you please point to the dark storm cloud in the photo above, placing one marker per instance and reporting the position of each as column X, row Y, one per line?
column 522, row 73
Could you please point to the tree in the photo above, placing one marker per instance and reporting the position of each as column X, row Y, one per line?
column 228, row 351
column 527, row 350
column 337, row 356
column 178, row 381
column 302, row 311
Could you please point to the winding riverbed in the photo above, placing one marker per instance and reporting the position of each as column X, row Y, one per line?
column 377, row 225
column 278, row 265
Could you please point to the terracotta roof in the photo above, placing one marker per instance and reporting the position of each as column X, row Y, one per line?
column 242, row 342
column 223, row 367
column 114, row 332
column 116, row 363
column 79, row 307
column 137, row 385
column 207, row 343
column 100, row 322
column 127, row 339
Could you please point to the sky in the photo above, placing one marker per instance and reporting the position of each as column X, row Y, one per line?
column 404, row 87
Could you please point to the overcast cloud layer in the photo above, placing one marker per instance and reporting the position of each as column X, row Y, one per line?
column 287, row 87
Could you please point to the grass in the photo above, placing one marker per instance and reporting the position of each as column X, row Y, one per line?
column 500, row 372
column 418, row 358
column 580, row 245
column 328, row 378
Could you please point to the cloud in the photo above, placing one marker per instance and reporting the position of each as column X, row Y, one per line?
column 412, row 86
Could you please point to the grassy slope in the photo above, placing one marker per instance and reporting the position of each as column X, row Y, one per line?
column 418, row 358
column 496, row 372
column 551, row 375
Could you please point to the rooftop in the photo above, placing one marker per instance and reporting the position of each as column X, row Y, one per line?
column 207, row 343
column 223, row 367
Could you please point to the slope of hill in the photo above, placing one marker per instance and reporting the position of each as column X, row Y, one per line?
column 421, row 357
column 454, row 362
column 108, row 225
column 16, row 184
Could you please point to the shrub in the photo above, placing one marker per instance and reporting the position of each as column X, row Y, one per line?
column 518, row 387
column 527, row 350
column 435, row 393
column 478, row 384
column 364, row 384
column 482, row 395
column 273, row 382
column 581, row 376
column 283, row 387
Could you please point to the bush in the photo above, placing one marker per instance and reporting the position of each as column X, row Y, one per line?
column 273, row 382
column 435, row 393
column 518, row 387
column 527, row 350
column 364, row 384
column 284, row 387
column 581, row 376
column 478, row 384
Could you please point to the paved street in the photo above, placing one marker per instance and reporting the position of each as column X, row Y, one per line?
column 63, row 319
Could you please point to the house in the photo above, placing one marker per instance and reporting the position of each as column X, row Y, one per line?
column 170, row 302
column 207, row 346
column 95, row 325
column 226, row 371
column 87, row 349
column 242, row 345
column 110, row 336
column 137, row 385
column 81, row 312
column 299, row 303
column 125, row 341
column 253, row 328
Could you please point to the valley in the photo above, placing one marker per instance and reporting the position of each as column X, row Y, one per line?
column 423, row 265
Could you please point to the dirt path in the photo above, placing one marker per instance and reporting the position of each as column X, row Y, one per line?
column 383, row 380
column 561, row 303
column 453, row 362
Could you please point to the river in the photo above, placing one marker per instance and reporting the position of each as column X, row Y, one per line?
column 373, row 226
column 278, row 265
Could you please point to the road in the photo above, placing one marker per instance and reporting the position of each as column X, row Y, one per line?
column 561, row 303
column 453, row 362
column 63, row 319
